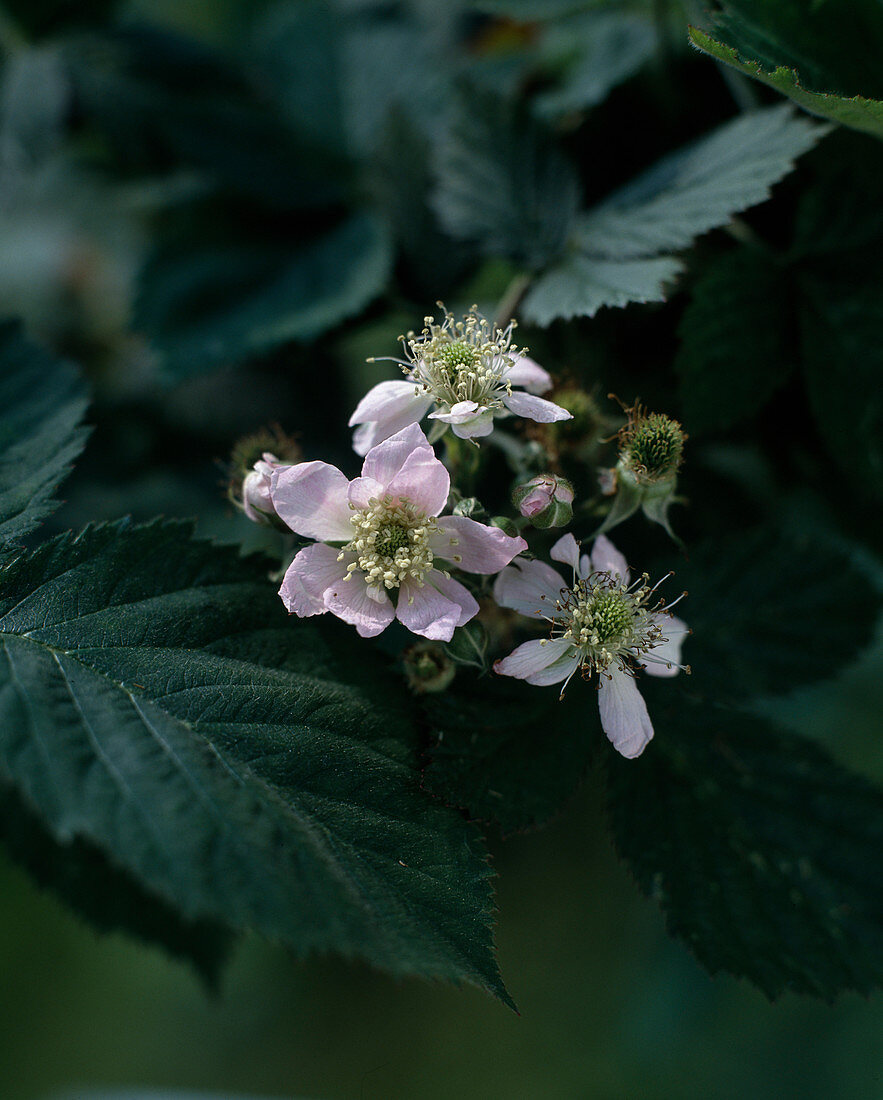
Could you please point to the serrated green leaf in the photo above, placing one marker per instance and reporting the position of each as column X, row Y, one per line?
column 842, row 330
column 111, row 900
column 225, row 305
column 763, row 853
column 602, row 49
column 771, row 612
column 582, row 285
column 699, row 188
column 735, row 340
column 42, row 401
column 857, row 112
column 156, row 702
column 505, row 752
column 503, row 182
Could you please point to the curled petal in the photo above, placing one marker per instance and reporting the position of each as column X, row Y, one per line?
column 535, row 408
column 437, row 608
column 665, row 659
column 313, row 570
column 607, row 559
column 531, row 587
column 474, row 546
column 541, row 662
column 370, row 613
column 528, row 374
column 468, row 419
column 311, row 498
column 624, row 716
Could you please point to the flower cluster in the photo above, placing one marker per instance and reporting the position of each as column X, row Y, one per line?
column 394, row 542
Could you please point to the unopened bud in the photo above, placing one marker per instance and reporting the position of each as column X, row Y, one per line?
column 256, row 501
column 546, row 500
column 428, row 669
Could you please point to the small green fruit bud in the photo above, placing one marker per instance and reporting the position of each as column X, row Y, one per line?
column 651, row 446
column 428, row 669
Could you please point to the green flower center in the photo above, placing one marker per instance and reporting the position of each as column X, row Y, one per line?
column 458, row 356
column 608, row 622
column 391, row 538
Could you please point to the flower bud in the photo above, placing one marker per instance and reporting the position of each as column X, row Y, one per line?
column 546, row 500
column 428, row 669
column 256, row 502
column 252, row 463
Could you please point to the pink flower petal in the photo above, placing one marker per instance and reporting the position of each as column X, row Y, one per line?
column 422, row 480
column 535, row 408
column 311, row 498
column 665, row 659
column 384, row 461
column 624, row 716
column 350, row 600
column 313, row 570
column 436, row 609
column 364, row 489
column 474, row 546
column 531, row 587
column 607, row 559
column 528, row 374
column 541, row 662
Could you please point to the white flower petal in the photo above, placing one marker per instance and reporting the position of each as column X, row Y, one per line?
column 665, row 659
column 531, row 587
column 311, row 498
column 624, row 716
column 477, row 428
column 386, row 401
column 566, row 550
column 607, row 559
column 528, row 374
column 535, row 408
column 473, row 546
column 532, row 661
column 460, row 413
column 369, row 613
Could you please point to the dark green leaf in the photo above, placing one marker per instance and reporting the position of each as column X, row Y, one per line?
column 762, row 851
column 224, row 305
column 735, row 350
column 823, row 55
column 842, row 328
column 156, row 702
column 80, row 875
column 507, row 752
column 771, row 612
column 503, row 182
column 42, row 401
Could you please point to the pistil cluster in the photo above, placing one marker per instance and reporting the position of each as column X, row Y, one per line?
column 390, row 543
column 461, row 360
column 607, row 621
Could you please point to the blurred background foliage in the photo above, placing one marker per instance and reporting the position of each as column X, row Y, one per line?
column 220, row 209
